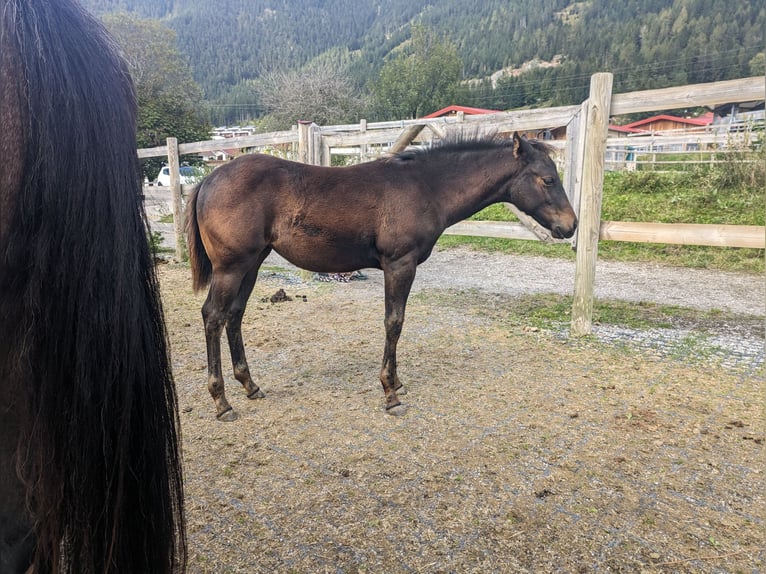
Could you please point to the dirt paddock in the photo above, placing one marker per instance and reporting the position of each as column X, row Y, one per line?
column 520, row 451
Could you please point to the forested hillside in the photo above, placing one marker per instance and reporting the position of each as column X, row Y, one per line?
column 645, row 43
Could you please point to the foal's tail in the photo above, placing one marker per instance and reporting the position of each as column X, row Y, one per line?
column 84, row 339
column 201, row 267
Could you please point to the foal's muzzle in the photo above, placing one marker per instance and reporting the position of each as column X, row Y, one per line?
column 560, row 231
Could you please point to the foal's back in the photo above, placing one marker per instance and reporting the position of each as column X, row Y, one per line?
column 329, row 219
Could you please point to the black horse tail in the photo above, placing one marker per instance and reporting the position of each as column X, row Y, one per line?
column 201, row 268
column 99, row 449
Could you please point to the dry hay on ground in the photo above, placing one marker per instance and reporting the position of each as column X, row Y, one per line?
column 519, row 452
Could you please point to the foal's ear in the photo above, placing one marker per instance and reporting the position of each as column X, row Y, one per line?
column 518, row 145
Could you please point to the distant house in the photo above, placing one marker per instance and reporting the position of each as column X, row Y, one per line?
column 732, row 111
column 621, row 131
column 654, row 135
column 665, row 122
column 219, row 156
column 233, row 131
column 740, row 116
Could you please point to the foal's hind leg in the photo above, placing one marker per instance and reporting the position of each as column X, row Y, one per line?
column 234, row 335
column 224, row 289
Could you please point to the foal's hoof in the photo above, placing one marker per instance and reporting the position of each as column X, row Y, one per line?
column 397, row 410
column 228, row 416
column 256, row 395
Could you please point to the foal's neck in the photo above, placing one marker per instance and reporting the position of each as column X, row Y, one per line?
column 472, row 182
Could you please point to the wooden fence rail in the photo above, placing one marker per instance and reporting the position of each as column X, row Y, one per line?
column 584, row 156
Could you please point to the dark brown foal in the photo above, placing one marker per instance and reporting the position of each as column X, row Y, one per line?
column 386, row 214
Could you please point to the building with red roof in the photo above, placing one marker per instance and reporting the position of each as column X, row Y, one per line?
column 665, row 122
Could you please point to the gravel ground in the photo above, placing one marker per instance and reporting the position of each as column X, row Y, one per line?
column 515, row 275
column 521, row 450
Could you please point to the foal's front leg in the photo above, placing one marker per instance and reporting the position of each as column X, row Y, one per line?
column 398, row 278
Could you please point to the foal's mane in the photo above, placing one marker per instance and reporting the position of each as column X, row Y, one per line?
column 458, row 142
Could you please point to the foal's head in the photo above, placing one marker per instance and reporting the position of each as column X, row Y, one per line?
column 536, row 188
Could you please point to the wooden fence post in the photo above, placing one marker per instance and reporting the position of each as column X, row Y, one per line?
column 309, row 143
column 304, row 141
column 596, row 128
column 319, row 156
column 362, row 147
column 574, row 154
column 177, row 196
column 308, row 140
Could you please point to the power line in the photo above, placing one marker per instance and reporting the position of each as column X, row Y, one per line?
column 716, row 63
column 649, row 67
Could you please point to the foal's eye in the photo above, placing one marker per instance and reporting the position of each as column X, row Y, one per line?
column 548, row 180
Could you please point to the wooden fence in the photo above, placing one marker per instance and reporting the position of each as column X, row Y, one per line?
column 583, row 158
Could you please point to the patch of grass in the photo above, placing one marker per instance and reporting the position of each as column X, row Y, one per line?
column 683, row 197
column 727, row 194
column 551, row 311
column 693, row 344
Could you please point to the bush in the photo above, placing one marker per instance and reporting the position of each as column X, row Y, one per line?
column 155, row 241
column 739, row 170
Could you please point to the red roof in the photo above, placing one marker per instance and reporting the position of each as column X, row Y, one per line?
column 624, row 129
column 703, row 120
column 466, row 110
